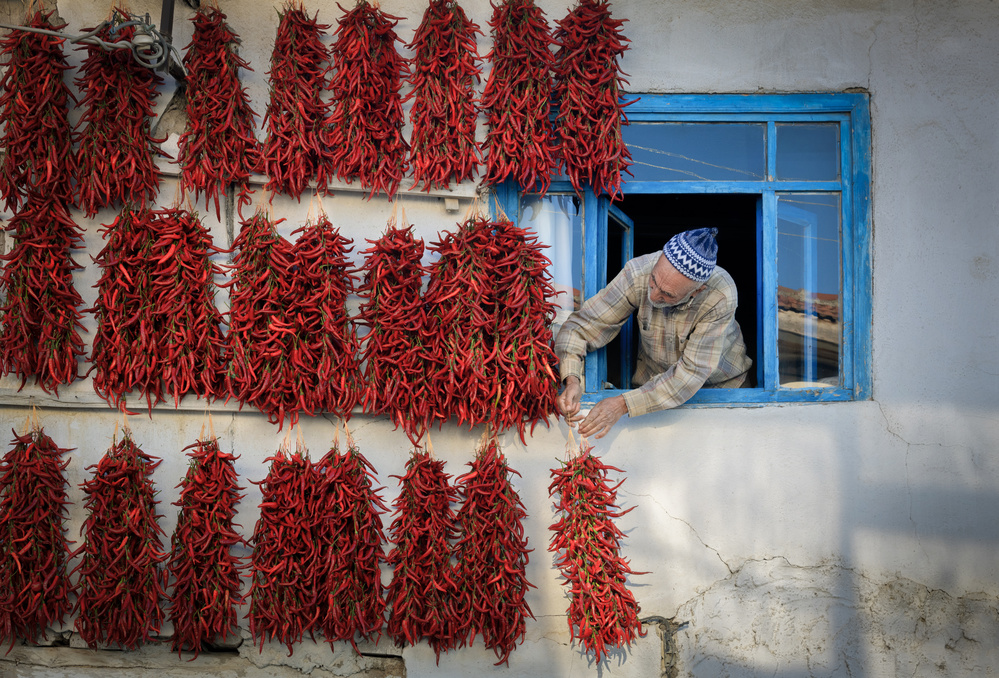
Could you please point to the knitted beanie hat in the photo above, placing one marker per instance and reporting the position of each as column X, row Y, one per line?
column 693, row 253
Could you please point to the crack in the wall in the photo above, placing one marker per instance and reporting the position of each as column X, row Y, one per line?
column 689, row 527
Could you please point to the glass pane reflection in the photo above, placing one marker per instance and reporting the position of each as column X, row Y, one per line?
column 809, row 297
column 558, row 221
column 696, row 151
column 808, row 152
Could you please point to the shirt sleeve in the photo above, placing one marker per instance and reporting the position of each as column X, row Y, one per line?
column 597, row 322
column 701, row 356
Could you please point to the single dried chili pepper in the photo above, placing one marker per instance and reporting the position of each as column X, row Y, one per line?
column 423, row 588
column 121, row 583
column 40, row 321
column 444, row 74
column 354, row 603
column 365, row 123
column 202, row 566
column 294, row 152
column 392, row 309
column 520, row 142
column 602, row 611
column 34, row 552
column 289, row 568
column 218, row 148
column 491, row 555
column 115, row 160
column 588, row 91
column 37, row 140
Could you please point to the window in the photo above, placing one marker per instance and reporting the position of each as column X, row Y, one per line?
column 786, row 180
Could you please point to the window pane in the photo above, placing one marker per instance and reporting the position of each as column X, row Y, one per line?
column 558, row 221
column 808, row 289
column 808, row 152
column 696, row 151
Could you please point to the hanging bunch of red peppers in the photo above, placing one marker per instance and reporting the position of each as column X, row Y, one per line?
column 204, row 570
column 444, row 73
column 366, row 120
column 34, row 553
column 116, row 158
column 218, row 148
column 294, row 152
column 519, row 144
column 121, row 580
column 588, row 90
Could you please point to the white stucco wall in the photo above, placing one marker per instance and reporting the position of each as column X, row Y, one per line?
column 798, row 540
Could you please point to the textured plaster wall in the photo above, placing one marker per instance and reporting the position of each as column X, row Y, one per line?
column 847, row 539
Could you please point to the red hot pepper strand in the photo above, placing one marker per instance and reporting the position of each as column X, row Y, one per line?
column 121, row 583
column 34, row 552
column 204, row 570
column 588, row 88
column 444, row 74
column 602, row 611
column 218, row 148
column 520, row 143
column 366, row 121
column 37, row 139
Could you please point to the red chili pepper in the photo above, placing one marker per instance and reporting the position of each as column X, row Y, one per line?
column 34, row 553
column 602, row 611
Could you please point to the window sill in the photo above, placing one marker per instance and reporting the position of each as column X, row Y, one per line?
column 744, row 397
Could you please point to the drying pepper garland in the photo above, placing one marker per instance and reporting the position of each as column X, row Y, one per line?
column 288, row 564
column 352, row 599
column 261, row 338
column 423, row 585
column 121, row 583
column 519, row 144
column 34, row 586
column 393, row 310
column 115, row 161
column 326, row 355
column 204, row 570
column 492, row 555
column 37, row 141
column 293, row 153
column 40, row 319
column 365, row 125
column 218, row 148
column 444, row 73
column 602, row 611
column 588, row 89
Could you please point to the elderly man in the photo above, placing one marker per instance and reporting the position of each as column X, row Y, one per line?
column 686, row 318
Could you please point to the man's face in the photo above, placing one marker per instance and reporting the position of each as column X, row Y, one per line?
column 668, row 287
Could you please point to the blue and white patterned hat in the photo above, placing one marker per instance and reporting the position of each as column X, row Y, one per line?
column 693, row 253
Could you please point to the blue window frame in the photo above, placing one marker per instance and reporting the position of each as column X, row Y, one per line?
column 797, row 166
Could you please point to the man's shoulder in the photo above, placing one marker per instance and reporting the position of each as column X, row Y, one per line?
column 643, row 265
column 721, row 284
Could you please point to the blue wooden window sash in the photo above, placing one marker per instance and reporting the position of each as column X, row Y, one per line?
column 852, row 111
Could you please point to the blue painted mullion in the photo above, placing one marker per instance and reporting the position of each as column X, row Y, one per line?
column 594, row 275
column 847, row 291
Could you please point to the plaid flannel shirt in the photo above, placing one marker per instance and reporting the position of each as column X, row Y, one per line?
column 695, row 344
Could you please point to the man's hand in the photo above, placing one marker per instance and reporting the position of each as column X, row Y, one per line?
column 603, row 416
column 568, row 399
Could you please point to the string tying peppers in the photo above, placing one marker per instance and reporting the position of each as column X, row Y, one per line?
column 588, row 89
column 40, row 321
column 602, row 611
column 288, row 563
column 34, row 585
column 354, row 602
column 519, row 142
column 37, row 140
column 121, row 583
column 444, row 74
column 293, row 153
column 393, row 311
column 218, row 148
column 204, row 570
column 492, row 555
column 365, row 124
column 115, row 160
column 423, row 585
